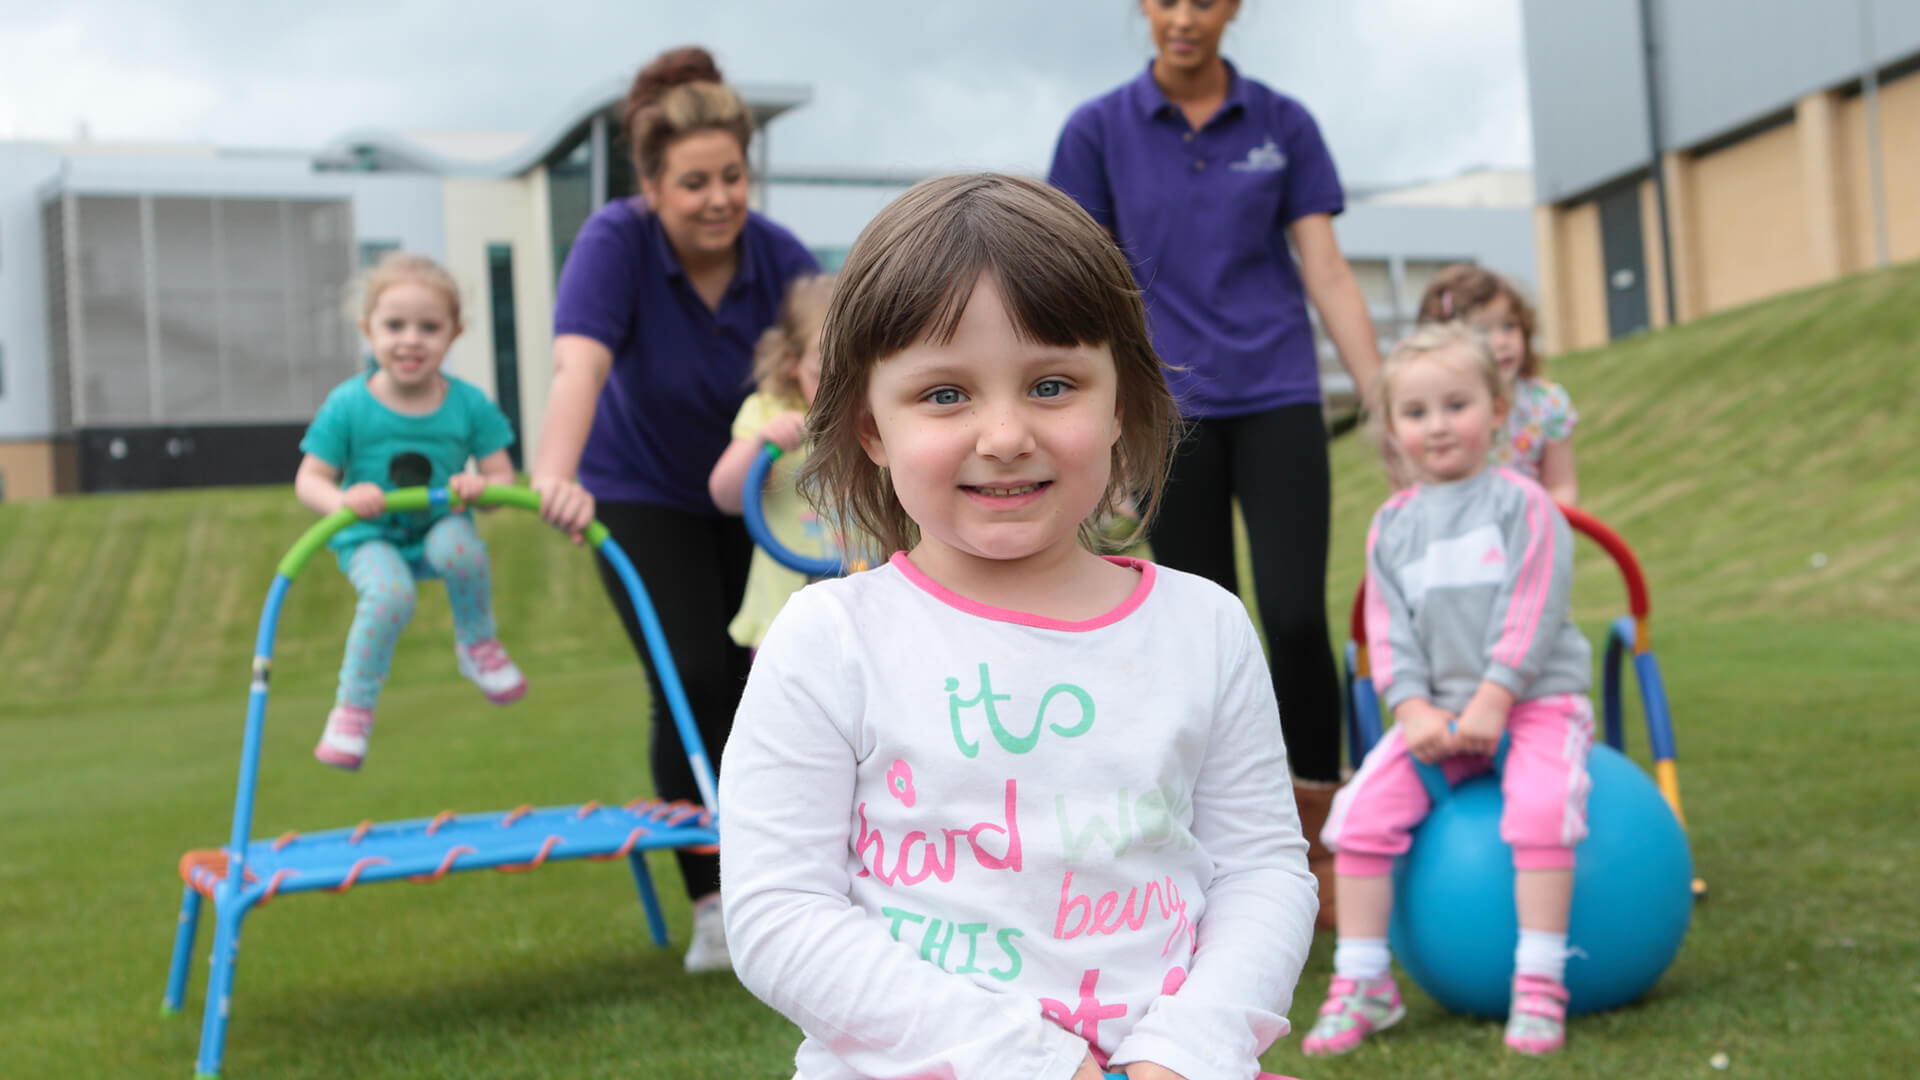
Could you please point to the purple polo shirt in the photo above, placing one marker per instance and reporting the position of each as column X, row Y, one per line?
column 1202, row 215
column 680, row 369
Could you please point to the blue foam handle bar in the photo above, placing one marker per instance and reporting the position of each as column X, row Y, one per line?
column 755, row 516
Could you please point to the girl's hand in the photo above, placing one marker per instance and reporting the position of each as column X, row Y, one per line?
column 1479, row 730
column 565, row 505
column 1147, row 1070
column 1426, row 734
column 365, row 500
column 785, row 431
column 1484, row 720
column 467, row 486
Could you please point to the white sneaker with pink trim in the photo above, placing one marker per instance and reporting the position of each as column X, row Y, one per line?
column 487, row 666
column 343, row 744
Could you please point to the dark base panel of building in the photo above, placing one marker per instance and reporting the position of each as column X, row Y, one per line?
column 146, row 458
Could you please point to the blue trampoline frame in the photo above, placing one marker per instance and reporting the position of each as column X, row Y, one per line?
column 247, row 874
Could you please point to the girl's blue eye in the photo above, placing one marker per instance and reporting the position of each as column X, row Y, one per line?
column 1049, row 388
column 946, row 395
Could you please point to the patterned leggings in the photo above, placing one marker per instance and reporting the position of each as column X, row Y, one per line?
column 385, row 581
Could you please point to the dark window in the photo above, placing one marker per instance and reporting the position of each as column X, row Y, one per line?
column 569, row 195
column 372, row 251
column 506, row 341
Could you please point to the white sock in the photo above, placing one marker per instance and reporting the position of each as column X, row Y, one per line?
column 1361, row 959
column 1542, row 955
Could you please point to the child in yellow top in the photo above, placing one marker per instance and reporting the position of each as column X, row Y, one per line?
column 786, row 368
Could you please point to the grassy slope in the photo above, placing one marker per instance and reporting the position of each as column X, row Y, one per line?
column 1727, row 453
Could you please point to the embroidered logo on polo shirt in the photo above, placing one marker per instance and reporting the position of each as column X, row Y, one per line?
column 1263, row 158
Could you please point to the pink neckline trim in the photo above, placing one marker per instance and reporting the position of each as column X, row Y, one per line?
column 952, row 599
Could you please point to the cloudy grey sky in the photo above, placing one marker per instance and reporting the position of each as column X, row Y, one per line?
column 1404, row 89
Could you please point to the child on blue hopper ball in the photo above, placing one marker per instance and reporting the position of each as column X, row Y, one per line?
column 405, row 424
column 1470, row 638
column 786, row 370
column 1003, row 807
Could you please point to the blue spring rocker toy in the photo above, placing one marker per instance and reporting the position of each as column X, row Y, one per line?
column 1454, row 923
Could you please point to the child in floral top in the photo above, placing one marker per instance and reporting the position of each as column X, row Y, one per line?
column 1537, row 438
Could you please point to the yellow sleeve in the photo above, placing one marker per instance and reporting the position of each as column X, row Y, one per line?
column 754, row 414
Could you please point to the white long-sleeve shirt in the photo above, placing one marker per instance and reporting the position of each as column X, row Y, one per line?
column 963, row 842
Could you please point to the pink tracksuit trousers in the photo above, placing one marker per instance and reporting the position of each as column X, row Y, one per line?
column 1545, row 785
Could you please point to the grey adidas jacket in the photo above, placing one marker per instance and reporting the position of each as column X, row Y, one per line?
column 1470, row 582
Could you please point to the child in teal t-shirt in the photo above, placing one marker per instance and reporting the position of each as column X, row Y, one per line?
column 406, row 425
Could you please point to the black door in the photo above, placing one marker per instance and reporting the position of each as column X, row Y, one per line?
column 506, row 342
column 1625, row 255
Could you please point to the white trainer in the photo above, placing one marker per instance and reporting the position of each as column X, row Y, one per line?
column 708, row 950
column 487, row 666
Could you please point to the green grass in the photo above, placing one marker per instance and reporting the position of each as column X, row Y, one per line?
column 1727, row 452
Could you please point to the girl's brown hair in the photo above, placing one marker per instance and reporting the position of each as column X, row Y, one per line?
column 396, row 267
column 676, row 95
column 907, row 279
column 776, row 358
column 1461, row 289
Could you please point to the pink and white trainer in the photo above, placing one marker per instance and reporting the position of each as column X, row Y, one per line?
column 1537, row 1019
column 343, row 744
column 1353, row 1012
column 487, row 666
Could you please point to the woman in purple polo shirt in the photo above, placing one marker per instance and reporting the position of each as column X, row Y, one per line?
column 1205, row 176
column 659, row 307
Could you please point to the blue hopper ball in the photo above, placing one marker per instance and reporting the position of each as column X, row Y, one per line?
column 1454, row 927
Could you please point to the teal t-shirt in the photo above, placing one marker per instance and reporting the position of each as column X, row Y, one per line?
column 370, row 443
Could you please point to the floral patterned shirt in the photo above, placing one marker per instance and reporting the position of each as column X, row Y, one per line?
column 1542, row 413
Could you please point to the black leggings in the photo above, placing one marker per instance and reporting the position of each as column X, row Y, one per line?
column 695, row 571
column 1276, row 463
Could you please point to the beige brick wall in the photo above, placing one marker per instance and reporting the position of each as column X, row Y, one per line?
column 1583, row 274
column 1900, row 166
column 1750, row 220
column 27, row 469
column 482, row 212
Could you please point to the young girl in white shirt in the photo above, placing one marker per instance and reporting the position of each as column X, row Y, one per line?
column 1004, row 808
